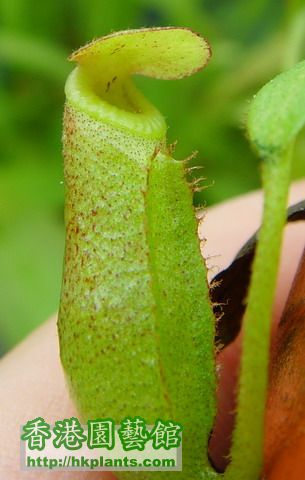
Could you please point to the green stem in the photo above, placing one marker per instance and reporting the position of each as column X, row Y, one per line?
column 247, row 448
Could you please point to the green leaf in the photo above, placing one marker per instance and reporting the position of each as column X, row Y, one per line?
column 277, row 113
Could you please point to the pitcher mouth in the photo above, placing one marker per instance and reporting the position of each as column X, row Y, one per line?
column 117, row 102
column 102, row 85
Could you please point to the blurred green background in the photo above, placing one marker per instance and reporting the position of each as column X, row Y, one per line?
column 251, row 42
